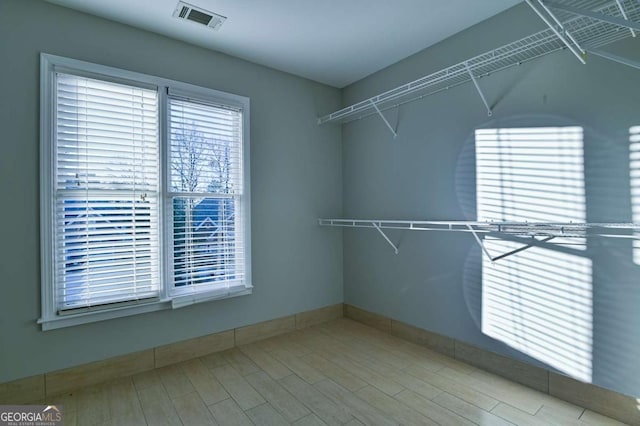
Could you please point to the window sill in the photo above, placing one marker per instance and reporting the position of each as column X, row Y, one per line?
column 179, row 301
column 62, row 321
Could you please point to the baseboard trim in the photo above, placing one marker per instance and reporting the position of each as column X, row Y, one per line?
column 604, row 401
column 39, row 387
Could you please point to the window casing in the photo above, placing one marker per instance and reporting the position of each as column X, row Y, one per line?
column 144, row 193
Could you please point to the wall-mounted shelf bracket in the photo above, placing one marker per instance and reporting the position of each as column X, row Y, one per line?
column 623, row 12
column 621, row 22
column 375, row 225
column 475, row 83
column 569, row 40
column 523, row 248
column 373, row 104
column 480, row 242
column 615, row 58
column 561, row 26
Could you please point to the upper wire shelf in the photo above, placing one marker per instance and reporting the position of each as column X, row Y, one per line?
column 589, row 32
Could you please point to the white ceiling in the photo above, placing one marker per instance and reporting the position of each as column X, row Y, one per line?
column 335, row 42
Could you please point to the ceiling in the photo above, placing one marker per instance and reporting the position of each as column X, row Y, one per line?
column 336, row 42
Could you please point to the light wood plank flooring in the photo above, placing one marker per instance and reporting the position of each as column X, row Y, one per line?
column 337, row 373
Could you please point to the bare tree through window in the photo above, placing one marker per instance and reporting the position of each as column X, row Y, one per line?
column 202, row 174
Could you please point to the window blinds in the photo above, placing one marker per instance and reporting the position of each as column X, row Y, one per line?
column 205, row 144
column 106, row 193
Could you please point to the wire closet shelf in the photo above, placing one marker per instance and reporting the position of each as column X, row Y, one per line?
column 528, row 234
column 589, row 32
column 520, row 229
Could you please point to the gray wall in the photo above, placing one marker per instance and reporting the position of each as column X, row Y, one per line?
column 428, row 173
column 296, row 176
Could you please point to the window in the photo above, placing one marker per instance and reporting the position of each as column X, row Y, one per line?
column 144, row 193
column 206, row 187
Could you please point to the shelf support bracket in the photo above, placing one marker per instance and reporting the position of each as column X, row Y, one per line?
column 523, row 248
column 480, row 242
column 509, row 253
column 373, row 104
column 615, row 58
column 577, row 52
column 475, row 83
column 561, row 26
column 596, row 15
column 624, row 15
column 375, row 225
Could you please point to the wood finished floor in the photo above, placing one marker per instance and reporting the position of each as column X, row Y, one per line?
column 337, row 373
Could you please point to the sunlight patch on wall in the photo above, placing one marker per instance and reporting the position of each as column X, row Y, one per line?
column 530, row 174
column 634, row 167
column 538, row 301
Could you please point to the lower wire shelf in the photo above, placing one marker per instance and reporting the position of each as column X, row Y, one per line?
column 530, row 234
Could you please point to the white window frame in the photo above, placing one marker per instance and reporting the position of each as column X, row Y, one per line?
column 49, row 66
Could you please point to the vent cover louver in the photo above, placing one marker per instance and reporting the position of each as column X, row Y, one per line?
column 198, row 15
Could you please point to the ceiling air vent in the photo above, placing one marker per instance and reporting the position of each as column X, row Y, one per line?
column 192, row 13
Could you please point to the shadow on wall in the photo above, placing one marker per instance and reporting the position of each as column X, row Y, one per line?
column 573, row 304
